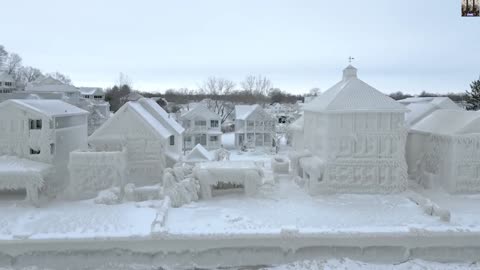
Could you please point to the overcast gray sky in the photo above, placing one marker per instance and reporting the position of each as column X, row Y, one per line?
column 408, row 45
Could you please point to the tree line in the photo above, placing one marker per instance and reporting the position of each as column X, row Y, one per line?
column 11, row 63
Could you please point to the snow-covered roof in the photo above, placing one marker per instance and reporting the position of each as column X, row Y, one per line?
column 91, row 91
column 352, row 94
column 47, row 107
column 242, row 112
column 150, row 119
column 200, row 110
column 449, row 122
column 4, row 77
column 420, row 107
column 441, row 102
column 49, row 84
column 161, row 115
column 199, row 154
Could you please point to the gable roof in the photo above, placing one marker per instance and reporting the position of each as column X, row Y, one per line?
column 420, row 107
column 47, row 107
column 138, row 112
column 242, row 112
column 161, row 115
column 352, row 94
column 201, row 110
column 459, row 122
column 199, row 153
column 49, row 84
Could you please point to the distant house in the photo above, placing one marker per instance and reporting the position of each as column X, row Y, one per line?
column 44, row 131
column 421, row 107
column 7, row 83
column 443, row 150
column 202, row 126
column 92, row 93
column 153, row 141
column 254, row 127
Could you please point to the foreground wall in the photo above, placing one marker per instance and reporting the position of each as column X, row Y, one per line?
column 91, row 172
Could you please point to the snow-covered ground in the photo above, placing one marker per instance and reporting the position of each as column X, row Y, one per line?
column 82, row 219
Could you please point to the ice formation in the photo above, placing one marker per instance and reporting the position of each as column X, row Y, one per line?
column 357, row 138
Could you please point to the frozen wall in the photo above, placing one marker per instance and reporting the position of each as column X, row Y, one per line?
column 91, row 172
column 360, row 152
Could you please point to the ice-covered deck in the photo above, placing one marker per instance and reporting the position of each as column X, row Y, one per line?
column 17, row 173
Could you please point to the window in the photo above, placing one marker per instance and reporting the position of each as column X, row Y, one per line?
column 214, row 123
column 52, row 148
column 87, row 96
column 8, row 83
column 213, row 138
column 186, row 123
column 98, row 97
column 0, row 83
column 188, row 138
column 34, row 152
column 35, row 124
column 172, row 140
column 202, row 123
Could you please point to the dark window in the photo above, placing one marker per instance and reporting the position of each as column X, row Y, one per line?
column 34, row 152
column 214, row 123
column 52, row 148
column 35, row 124
column 172, row 140
column 98, row 97
column 213, row 138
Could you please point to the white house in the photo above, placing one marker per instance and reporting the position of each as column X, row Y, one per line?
column 254, row 127
column 446, row 155
column 152, row 140
column 91, row 99
column 43, row 131
column 7, row 83
column 202, row 126
column 92, row 93
column 420, row 107
column 356, row 138
column 295, row 134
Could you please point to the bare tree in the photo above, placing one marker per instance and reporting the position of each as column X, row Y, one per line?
column 61, row 77
column 29, row 74
column 217, row 86
column 314, row 91
column 257, row 85
column 123, row 80
column 3, row 56
column 13, row 64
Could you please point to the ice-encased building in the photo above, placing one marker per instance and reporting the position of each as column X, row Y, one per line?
column 152, row 140
column 354, row 140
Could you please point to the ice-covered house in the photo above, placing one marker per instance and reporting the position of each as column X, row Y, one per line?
column 152, row 139
column 92, row 93
column 443, row 150
column 7, row 83
column 295, row 134
column 45, row 132
column 420, row 107
column 254, row 127
column 202, row 126
column 356, row 138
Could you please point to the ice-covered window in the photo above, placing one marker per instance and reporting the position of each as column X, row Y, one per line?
column 0, row 83
column 34, row 152
column 188, row 138
column 69, row 121
column 250, row 124
column 200, row 123
column 172, row 140
column 8, row 84
column 87, row 96
column 214, row 123
column 35, row 124
column 213, row 138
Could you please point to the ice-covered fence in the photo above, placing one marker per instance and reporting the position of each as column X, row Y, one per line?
column 244, row 173
column 91, row 172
